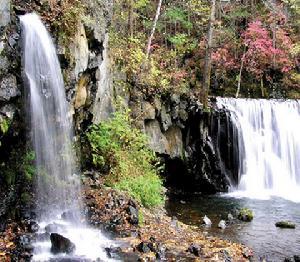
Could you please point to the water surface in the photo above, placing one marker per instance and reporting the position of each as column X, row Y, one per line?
column 261, row 235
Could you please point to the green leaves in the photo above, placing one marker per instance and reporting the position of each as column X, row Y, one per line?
column 132, row 165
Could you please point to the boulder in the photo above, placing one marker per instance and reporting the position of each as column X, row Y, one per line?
column 143, row 247
column 245, row 214
column 113, row 252
column 285, row 224
column 222, row 224
column 134, row 215
column 206, row 221
column 60, row 244
column 195, row 250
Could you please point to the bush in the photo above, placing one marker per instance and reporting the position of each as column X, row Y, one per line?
column 133, row 167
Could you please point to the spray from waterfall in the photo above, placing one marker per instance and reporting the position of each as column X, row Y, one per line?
column 57, row 184
column 269, row 146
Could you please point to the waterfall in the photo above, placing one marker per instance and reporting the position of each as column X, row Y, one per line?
column 269, row 146
column 57, row 184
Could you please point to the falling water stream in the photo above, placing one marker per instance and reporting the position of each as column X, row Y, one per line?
column 269, row 147
column 267, row 135
column 58, row 182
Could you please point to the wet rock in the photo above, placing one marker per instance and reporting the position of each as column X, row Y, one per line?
column 33, row 226
column 13, row 40
column 8, row 88
column 143, row 247
column 222, row 224
column 113, row 252
column 206, row 221
column 134, row 215
column 285, row 224
column 246, row 215
column 195, row 250
column 297, row 258
column 230, row 217
column 25, row 240
column 60, row 244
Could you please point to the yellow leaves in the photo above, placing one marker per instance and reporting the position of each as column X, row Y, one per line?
column 9, row 245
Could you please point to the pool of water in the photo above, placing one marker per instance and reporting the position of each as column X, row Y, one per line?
column 261, row 235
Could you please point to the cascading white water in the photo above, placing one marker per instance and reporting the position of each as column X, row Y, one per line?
column 269, row 146
column 57, row 185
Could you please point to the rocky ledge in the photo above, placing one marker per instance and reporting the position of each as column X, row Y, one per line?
column 151, row 235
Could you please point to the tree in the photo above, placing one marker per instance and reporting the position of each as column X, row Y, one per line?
column 153, row 28
column 207, row 66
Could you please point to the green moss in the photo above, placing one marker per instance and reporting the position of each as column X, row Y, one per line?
column 246, row 214
column 124, row 150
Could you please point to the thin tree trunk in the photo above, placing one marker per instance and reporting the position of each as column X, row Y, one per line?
column 153, row 29
column 130, row 18
column 240, row 75
column 207, row 66
column 274, row 42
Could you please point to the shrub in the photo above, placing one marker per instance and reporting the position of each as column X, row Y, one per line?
column 133, row 167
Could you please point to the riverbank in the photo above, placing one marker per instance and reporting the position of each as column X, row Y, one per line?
column 140, row 234
column 152, row 234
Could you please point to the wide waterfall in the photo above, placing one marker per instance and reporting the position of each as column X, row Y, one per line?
column 269, row 146
column 57, row 184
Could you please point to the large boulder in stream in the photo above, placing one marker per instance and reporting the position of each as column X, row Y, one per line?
column 60, row 244
column 246, row 215
column 285, row 224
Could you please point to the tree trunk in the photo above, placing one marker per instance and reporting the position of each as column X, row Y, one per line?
column 240, row 74
column 153, row 29
column 130, row 18
column 207, row 66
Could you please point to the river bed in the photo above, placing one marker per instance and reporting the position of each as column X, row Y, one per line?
column 261, row 235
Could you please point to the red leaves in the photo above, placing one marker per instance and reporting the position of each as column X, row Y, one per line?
column 264, row 52
column 266, row 47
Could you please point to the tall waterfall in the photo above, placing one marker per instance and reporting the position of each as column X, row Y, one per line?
column 269, row 146
column 57, row 185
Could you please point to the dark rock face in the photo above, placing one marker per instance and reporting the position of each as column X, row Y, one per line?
column 60, row 244
column 197, row 147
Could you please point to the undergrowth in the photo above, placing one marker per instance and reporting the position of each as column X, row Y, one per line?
column 132, row 166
